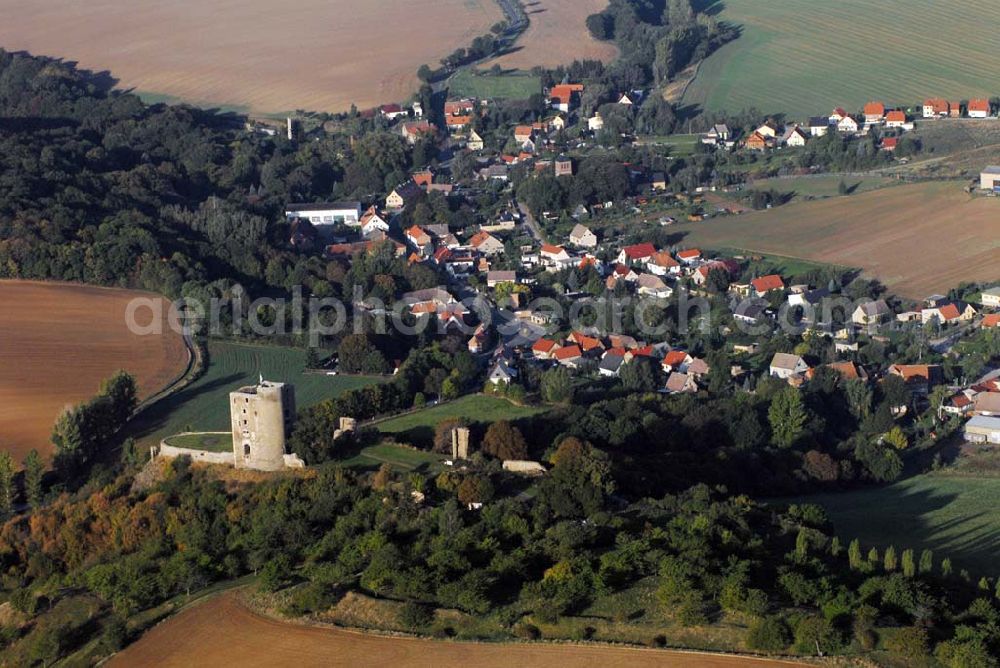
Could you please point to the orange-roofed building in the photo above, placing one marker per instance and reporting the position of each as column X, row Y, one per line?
column 992, row 320
column 766, row 284
column 568, row 356
column 689, row 256
column 544, row 348
column 979, row 108
column 874, row 112
column 936, row 107
column 895, row 119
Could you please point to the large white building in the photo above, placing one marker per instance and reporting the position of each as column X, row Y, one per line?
column 989, row 178
column 327, row 213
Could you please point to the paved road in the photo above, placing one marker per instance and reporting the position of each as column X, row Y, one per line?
column 531, row 223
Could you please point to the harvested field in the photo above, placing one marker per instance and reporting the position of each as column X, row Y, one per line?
column 222, row 632
column 923, row 48
column 917, row 239
column 57, row 343
column 320, row 55
column 557, row 35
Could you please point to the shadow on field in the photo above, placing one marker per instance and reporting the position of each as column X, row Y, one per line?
column 966, row 531
column 157, row 415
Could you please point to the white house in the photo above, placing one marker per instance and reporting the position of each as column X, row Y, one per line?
column 794, row 136
column 372, row 222
column 475, row 142
column 595, row 123
column 847, row 125
column 982, row 429
column 786, row 365
column 991, row 297
column 327, row 213
column 582, row 236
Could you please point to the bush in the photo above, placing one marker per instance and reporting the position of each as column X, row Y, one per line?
column 416, row 615
column 770, row 634
column 23, row 600
column 909, row 643
column 115, row 634
column 815, row 634
column 658, row 640
column 526, row 631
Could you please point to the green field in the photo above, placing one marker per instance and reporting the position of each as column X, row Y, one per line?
column 955, row 517
column 401, row 459
column 804, row 57
column 679, row 145
column 418, row 427
column 221, row 442
column 812, row 187
column 204, row 404
column 511, row 85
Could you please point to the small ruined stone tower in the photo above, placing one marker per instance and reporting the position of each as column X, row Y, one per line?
column 261, row 417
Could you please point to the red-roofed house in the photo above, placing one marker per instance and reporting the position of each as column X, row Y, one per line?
column 936, row 107
column 414, row 130
column 456, row 123
column 948, row 312
column 662, row 263
column 569, row 356
column 416, row 236
column 587, row 343
column 459, row 107
column 562, row 97
column 979, row 108
column 545, row 348
column 637, row 253
column 689, row 256
column 895, row 119
column 890, row 144
column 486, row 243
column 874, row 112
column 674, row 360
column 766, row 284
column 992, row 320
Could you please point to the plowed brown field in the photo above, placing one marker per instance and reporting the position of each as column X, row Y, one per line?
column 917, row 239
column 57, row 343
column 558, row 35
column 320, row 55
column 222, row 632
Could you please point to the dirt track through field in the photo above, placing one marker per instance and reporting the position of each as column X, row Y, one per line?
column 57, row 343
column 917, row 239
column 222, row 632
column 320, row 55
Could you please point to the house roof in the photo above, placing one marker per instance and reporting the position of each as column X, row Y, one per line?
column 479, row 238
column 552, row 250
column 678, row 382
column 786, row 361
column 569, row 352
column 417, row 233
column 915, row 372
column 988, row 402
column 768, row 283
column 664, row 259
column 579, row 231
column 992, row 320
column 544, row 346
column 940, row 105
column 819, row 122
column 896, row 116
column 675, row 358
column 849, row 370
column 651, row 282
column 979, row 105
column 639, row 251
column 874, row 109
column 587, row 343
column 949, row 312
column 611, row 362
column 502, row 276
column 890, row 142
column 874, row 308
column 689, row 254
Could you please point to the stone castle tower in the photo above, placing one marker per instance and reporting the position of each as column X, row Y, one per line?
column 261, row 418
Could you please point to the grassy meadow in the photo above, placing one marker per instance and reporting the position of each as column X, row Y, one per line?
column 204, row 404
column 803, row 57
column 956, row 517
column 418, row 427
column 511, row 85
